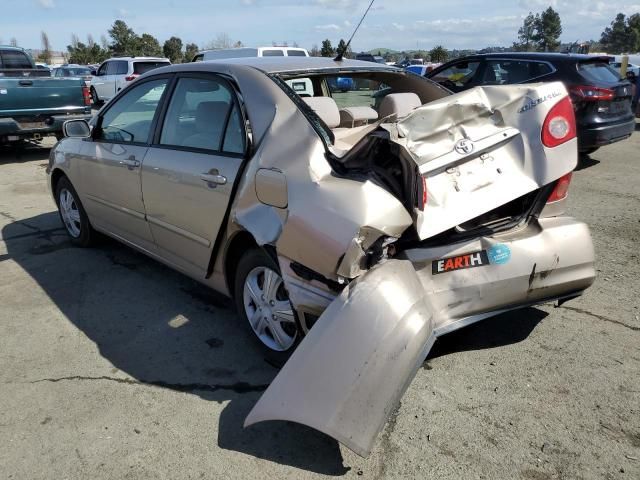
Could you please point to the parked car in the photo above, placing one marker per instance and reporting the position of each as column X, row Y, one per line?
column 341, row 84
column 32, row 104
column 630, row 67
column 367, row 57
column 247, row 52
column 116, row 73
column 602, row 101
column 355, row 243
column 71, row 70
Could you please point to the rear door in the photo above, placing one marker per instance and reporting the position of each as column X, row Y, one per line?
column 458, row 76
column 111, row 161
column 189, row 172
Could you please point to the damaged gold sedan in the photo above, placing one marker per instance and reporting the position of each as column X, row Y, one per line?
column 354, row 212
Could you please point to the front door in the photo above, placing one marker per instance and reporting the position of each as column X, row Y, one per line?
column 113, row 159
column 100, row 81
column 188, row 174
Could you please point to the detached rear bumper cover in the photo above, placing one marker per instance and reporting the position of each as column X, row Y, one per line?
column 352, row 368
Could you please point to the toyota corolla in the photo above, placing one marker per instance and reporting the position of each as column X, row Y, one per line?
column 350, row 228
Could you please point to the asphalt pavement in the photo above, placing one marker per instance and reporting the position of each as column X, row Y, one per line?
column 114, row 366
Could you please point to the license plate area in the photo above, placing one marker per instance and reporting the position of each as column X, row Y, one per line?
column 31, row 125
column 474, row 174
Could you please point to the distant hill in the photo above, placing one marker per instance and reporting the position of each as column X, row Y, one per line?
column 383, row 51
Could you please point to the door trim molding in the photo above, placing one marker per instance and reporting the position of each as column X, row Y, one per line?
column 119, row 208
column 179, row 231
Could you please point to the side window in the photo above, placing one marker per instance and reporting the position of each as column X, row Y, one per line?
column 200, row 112
column 122, row 66
column 129, row 119
column 103, row 69
column 502, row 72
column 459, row 75
column 111, row 68
column 538, row 69
column 15, row 59
column 198, row 58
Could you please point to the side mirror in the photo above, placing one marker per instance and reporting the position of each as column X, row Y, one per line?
column 94, row 73
column 76, row 129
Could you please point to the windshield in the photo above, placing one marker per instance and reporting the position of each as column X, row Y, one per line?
column 599, row 72
column 79, row 72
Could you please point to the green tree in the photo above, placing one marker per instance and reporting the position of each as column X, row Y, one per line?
column 623, row 35
column 526, row 33
column 83, row 53
column 148, row 46
column 172, row 49
column 548, row 29
column 45, row 54
column 190, row 51
column 438, row 54
column 125, row 40
column 342, row 47
column 326, row 50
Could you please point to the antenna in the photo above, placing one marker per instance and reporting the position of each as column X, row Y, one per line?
column 346, row 47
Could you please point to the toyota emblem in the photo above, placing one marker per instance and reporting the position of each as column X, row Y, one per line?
column 464, row 146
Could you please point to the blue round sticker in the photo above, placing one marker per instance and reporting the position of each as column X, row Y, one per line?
column 499, row 254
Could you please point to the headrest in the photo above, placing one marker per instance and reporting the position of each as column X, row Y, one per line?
column 357, row 116
column 399, row 104
column 326, row 108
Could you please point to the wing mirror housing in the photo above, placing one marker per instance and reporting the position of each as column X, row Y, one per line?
column 94, row 73
column 76, row 129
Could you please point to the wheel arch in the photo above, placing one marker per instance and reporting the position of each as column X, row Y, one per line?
column 240, row 243
column 56, row 175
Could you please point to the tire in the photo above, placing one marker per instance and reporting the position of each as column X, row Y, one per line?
column 94, row 96
column 73, row 215
column 268, row 313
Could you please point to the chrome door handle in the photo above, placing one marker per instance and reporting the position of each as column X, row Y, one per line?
column 213, row 180
column 130, row 162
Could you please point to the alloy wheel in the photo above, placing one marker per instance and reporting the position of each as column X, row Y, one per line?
column 268, row 309
column 70, row 212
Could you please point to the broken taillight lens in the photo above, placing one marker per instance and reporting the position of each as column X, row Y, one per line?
column 560, row 125
column 561, row 190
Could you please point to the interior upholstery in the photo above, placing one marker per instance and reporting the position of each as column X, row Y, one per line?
column 210, row 121
column 351, row 117
column 399, row 105
column 326, row 108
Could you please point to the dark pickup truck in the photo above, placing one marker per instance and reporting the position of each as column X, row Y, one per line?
column 34, row 105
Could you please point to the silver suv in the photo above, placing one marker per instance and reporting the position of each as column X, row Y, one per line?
column 115, row 73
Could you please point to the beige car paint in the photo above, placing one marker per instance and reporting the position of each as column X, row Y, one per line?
column 363, row 351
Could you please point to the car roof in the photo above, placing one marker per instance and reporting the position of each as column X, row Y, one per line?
column 551, row 56
column 11, row 47
column 130, row 59
column 290, row 64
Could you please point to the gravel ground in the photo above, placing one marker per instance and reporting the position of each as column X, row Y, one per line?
column 113, row 366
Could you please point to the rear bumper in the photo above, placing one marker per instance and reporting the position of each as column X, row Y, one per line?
column 11, row 129
column 551, row 258
column 594, row 136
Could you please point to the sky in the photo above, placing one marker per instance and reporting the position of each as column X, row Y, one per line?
column 396, row 24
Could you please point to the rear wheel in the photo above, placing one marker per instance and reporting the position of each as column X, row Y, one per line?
column 73, row 215
column 263, row 302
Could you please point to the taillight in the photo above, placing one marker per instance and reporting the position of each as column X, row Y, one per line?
column 422, row 193
column 86, row 95
column 561, row 189
column 591, row 94
column 560, row 125
column 131, row 78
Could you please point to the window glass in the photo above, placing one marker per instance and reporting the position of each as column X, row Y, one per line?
column 296, row 53
column 459, row 75
column 598, row 72
column 198, row 58
column 129, row 118
column 103, row 68
column 354, row 92
column 197, row 116
column 121, row 67
column 77, row 72
column 234, row 138
column 15, row 59
column 272, row 53
column 144, row 67
column 501, row 72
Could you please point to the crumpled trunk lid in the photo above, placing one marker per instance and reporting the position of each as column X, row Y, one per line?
column 480, row 149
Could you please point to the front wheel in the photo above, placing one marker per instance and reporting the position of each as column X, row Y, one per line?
column 263, row 302
column 73, row 215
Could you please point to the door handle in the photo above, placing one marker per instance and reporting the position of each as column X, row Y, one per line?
column 130, row 162
column 213, row 178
